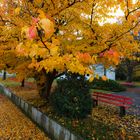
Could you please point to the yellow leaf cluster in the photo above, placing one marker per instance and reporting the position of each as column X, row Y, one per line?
column 67, row 35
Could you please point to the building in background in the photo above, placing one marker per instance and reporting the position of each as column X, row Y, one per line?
column 109, row 73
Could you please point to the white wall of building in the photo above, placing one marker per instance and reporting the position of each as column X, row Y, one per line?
column 110, row 73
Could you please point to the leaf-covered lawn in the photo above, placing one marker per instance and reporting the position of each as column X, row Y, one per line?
column 14, row 125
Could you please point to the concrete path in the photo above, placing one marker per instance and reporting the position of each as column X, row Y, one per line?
column 133, row 93
column 14, row 125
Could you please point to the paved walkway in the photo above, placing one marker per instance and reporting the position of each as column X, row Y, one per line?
column 14, row 125
column 133, row 93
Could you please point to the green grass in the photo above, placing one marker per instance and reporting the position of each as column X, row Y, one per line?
column 9, row 83
column 98, row 90
column 136, row 83
column 30, row 80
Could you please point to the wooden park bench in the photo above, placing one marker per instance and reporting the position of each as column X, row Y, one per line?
column 117, row 100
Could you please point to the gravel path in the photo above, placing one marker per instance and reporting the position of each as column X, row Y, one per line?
column 14, row 125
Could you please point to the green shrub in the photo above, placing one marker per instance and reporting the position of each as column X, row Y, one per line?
column 136, row 78
column 109, row 85
column 72, row 98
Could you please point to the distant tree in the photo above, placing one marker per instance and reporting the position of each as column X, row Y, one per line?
column 4, row 75
column 125, row 70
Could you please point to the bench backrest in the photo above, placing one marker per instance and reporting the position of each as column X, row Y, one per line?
column 112, row 99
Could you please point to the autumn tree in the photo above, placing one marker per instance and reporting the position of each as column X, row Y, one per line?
column 10, row 61
column 125, row 70
column 61, row 36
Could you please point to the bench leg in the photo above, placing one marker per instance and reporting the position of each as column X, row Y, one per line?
column 122, row 111
column 95, row 103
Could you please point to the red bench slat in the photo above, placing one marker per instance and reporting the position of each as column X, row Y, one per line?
column 117, row 100
column 114, row 103
column 118, row 96
column 112, row 98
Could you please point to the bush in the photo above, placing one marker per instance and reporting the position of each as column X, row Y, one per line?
column 136, row 78
column 109, row 85
column 72, row 98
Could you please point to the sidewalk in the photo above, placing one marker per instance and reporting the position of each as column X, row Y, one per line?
column 134, row 93
column 14, row 125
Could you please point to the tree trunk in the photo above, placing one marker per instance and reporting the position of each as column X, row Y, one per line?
column 4, row 75
column 44, row 83
column 129, row 74
column 46, row 89
column 104, row 71
column 23, row 83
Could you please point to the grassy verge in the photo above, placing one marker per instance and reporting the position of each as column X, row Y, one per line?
column 10, row 83
column 98, row 90
column 103, row 124
column 136, row 84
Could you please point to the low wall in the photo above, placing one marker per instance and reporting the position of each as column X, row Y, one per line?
column 52, row 128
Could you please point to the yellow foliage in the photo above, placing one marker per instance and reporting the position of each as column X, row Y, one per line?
column 104, row 78
column 17, row 11
column 68, row 36
column 97, row 76
column 91, row 79
column 47, row 26
column 54, row 50
column 41, row 14
column 25, row 32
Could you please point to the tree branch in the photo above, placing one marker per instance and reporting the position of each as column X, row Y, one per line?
column 119, row 36
column 128, row 10
column 91, row 16
column 126, row 16
column 134, row 10
column 115, row 39
column 42, row 40
column 53, row 4
column 68, row 6
column 60, row 74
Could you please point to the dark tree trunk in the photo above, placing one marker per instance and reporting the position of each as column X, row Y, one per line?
column 46, row 89
column 23, row 83
column 4, row 75
column 129, row 74
column 104, row 71
column 44, row 83
column 130, row 67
